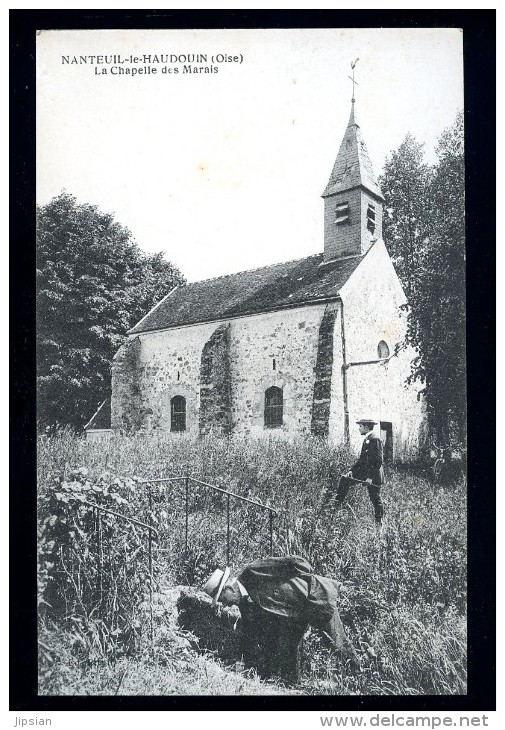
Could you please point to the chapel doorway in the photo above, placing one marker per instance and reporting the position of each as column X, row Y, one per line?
column 386, row 428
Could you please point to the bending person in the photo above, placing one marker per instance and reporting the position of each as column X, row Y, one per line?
column 278, row 599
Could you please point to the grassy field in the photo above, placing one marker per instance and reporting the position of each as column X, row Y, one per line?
column 403, row 594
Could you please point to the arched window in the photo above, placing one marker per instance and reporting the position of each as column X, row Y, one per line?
column 273, row 407
column 178, row 413
column 382, row 350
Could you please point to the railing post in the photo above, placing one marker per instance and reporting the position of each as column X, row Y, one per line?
column 228, row 529
column 187, row 511
column 150, row 498
column 151, row 567
column 186, row 478
column 100, row 559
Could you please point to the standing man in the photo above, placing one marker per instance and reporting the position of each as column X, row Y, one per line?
column 278, row 599
column 369, row 468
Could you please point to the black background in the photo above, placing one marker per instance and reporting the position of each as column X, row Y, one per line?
column 479, row 28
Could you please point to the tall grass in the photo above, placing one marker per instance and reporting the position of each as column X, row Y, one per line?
column 403, row 595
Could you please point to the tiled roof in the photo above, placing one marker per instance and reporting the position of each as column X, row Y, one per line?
column 352, row 167
column 101, row 419
column 272, row 287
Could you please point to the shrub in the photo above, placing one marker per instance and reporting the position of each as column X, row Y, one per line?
column 94, row 569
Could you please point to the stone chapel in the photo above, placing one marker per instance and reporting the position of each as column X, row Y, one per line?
column 297, row 348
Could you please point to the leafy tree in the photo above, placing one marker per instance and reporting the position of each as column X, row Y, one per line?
column 437, row 318
column 428, row 247
column 405, row 184
column 93, row 284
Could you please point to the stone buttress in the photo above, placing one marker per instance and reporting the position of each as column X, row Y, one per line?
column 215, row 383
column 323, row 373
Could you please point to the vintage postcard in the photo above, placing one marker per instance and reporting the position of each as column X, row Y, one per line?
column 251, row 363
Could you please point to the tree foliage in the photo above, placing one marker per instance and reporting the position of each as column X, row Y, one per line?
column 406, row 182
column 425, row 235
column 93, row 284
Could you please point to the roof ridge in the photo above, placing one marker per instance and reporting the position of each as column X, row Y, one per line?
column 153, row 308
column 248, row 271
column 268, row 288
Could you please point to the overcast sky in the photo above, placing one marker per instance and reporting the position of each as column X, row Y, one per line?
column 224, row 171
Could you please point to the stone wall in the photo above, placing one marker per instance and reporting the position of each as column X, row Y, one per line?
column 126, row 401
column 274, row 349
column 372, row 312
column 168, row 364
column 215, row 383
column 352, row 237
column 336, row 426
column 323, row 373
column 223, row 370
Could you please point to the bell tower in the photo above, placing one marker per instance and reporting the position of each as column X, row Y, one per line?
column 353, row 201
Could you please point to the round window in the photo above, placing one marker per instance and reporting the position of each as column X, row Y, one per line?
column 382, row 350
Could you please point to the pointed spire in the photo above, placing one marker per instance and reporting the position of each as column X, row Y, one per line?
column 352, row 167
column 353, row 201
column 352, row 119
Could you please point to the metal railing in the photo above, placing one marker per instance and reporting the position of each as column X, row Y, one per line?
column 188, row 480
column 98, row 520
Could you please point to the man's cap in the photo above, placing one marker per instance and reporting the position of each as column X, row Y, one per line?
column 215, row 584
column 367, row 421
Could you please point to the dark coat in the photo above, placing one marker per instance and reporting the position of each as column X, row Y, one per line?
column 371, row 460
column 285, row 596
column 289, row 587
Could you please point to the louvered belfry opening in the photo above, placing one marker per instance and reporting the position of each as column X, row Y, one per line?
column 342, row 213
column 352, row 199
column 370, row 215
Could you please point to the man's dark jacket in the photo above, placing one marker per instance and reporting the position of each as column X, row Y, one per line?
column 284, row 596
column 289, row 587
column 370, row 462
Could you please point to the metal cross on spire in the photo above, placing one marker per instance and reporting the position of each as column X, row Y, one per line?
column 352, row 78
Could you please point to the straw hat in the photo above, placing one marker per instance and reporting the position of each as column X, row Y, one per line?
column 216, row 583
column 367, row 421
